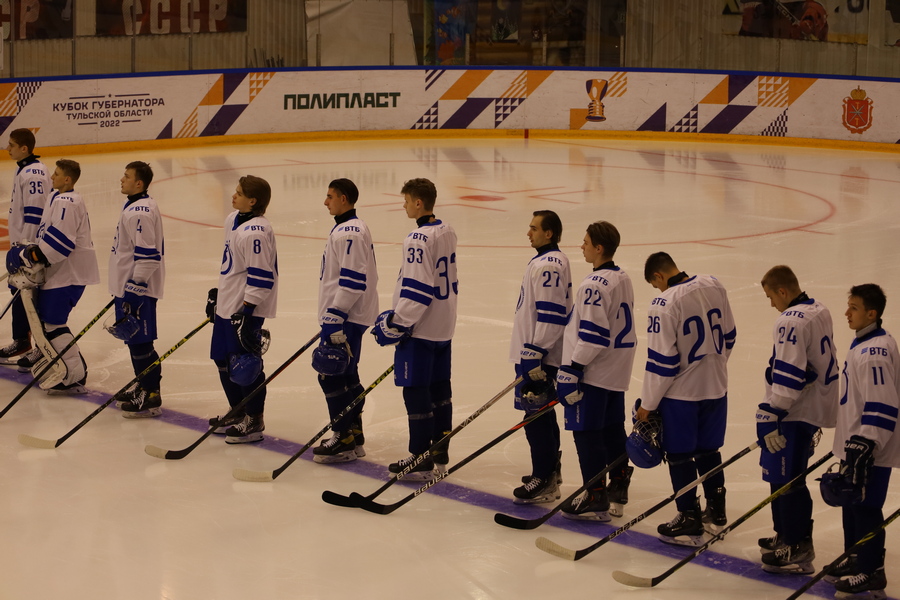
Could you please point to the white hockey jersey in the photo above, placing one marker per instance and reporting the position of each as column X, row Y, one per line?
column 690, row 335
column 600, row 334
column 802, row 377
column 249, row 267
column 31, row 188
column 545, row 300
column 64, row 237
column 348, row 280
column 425, row 296
column 138, row 250
column 870, row 403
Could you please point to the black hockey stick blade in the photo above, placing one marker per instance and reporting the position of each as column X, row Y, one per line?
column 370, row 505
column 636, row 581
column 157, row 452
column 35, row 442
column 551, row 547
column 353, row 501
column 851, row 550
column 248, row 475
column 517, row 523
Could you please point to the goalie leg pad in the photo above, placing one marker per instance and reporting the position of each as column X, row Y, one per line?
column 76, row 369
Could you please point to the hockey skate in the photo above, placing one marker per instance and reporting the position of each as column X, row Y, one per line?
column 865, row 585
column 714, row 518
column 222, row 424
column 339, row 448
column 142, row 404
column 441, row 456
column 424, row 471
column 618, row 491
column 71, row 389
column 10, row 354
column 845, row 568
column 250, row 429
column 360, row 438
column 686, row 529
column 592, row 505
column 537, row 491
column 791, row 559
column 28, row 360
column 770, row 544
column 558, row 472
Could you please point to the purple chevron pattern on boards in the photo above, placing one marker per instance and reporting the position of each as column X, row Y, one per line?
column 468, row 112
column 656, row 122
column 727, row 119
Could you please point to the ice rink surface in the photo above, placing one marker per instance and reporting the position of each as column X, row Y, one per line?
column 98, row 518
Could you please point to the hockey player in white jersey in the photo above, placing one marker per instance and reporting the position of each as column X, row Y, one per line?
column 247, row 295
column 64, row 258
column 598, row 354
column 30, row 190
column 800, row 397
column 536, row 349
column 137, row 271
column 866, row 441
column 690, row 335
column 348, row 305
column 421, row 324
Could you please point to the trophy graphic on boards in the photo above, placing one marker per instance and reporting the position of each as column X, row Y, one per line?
column 596, row 89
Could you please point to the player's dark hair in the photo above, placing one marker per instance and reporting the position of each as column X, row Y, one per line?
column 23, row 137
column 346, row 188
column 258, row 189
column 872, row 297
column 550, row 222
column 70, row 168
column 658, row 262
column 142, row 172
column 604, row 233
column 781, row 277
column 421, row 189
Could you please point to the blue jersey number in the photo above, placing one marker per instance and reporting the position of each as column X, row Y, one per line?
column 445, row 285
column 831, row 372
column 696, row 322
column 624, row 313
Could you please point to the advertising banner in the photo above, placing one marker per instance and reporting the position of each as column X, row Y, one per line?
column 162, row 17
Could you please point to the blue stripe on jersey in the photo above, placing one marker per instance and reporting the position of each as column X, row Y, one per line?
column 260, row 283
column 33, row 214
column 662, row 358
column 879, row 422
column 785, row 381
column 593, row 334
column 61, row 238
column 352, row 280
column 542, row 305
column 660, row 370
column 729, row 339
column 257, row 272
column 351, row 285
column 552, row 319
column 32, row 220
column 790, row 370
column 353, row 274
column 416, row 297
column 141, row 253
column 880, row 407
column 415, row 284
column 551, row 312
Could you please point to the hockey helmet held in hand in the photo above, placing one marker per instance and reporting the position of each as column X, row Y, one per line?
column 243, row 369
column 330, row 359
column 536, row 394
column 124, row 329
column 644, row 445
column 262, row 341
column 838, row 489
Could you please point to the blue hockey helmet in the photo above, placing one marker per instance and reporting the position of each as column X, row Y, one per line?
column 243, row 369
column 124, row 329
column 644, row 444
column 330, row 359
column 838, row 489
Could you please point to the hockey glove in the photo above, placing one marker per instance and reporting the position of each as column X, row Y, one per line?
column 768, row 427
column 530, row 359
column 247, row 328
column 133, row 298
column 333, row 327
column 568, row 385
column 858, row 459
column 388, row 334
column 211, row 299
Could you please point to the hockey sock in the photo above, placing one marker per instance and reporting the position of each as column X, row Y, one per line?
column 544, row 444
column 870, row 556
column 257, row 405
column 232, row 390
column 420, row 412
column 20, row 326
column 591, row 450
column 60, row 336
column 442, row 397
column 142, row 356
column 614, row 437
column 338, row 394
column 706, row 461
column 792, row 513
column 682, row 471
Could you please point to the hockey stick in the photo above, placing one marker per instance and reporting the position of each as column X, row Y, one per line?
column 56, row 358
column 555, row 549
column 350, row 501
column 248, row 475
column 386, row 509
column 635, row 581
column 10, row 303
column 158, row 452
column 830, row 567
column 517, row 523
column 36, row 442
